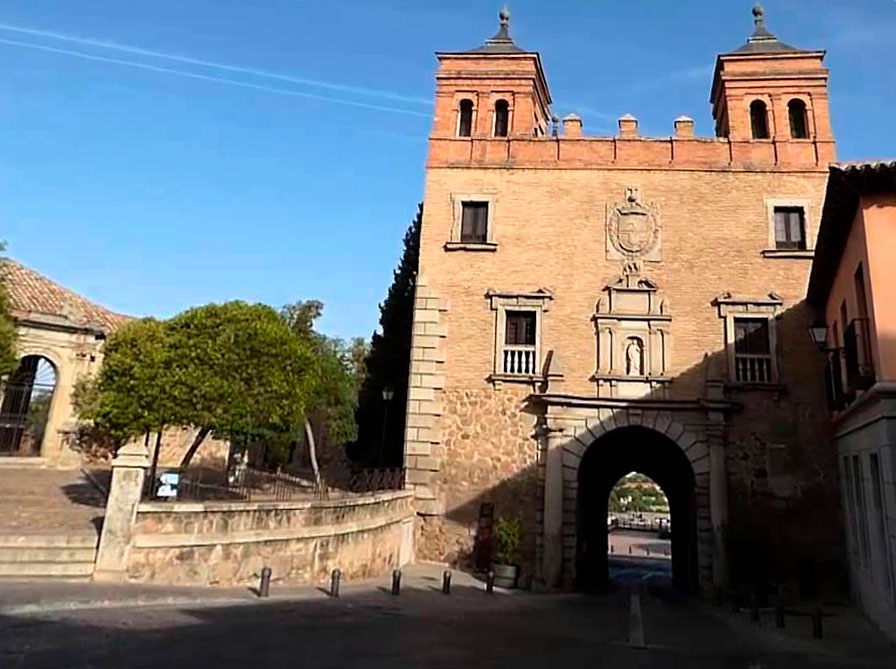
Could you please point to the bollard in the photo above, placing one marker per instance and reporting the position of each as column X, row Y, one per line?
column 754, row 608
column 490, row 582
column 446, row 582
column 817, row 632
column 335, row 577
column 612, row 548
column 396, row 581
column 629, row 550
column 264, row 586
column 779, row 616
column 647, row 550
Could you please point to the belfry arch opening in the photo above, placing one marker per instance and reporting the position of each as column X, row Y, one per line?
column 27, row 397
column 609, row 459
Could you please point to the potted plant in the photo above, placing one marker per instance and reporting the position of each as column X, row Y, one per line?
column 505, row 561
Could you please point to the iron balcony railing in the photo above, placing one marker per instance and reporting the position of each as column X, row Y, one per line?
column 837, row 395
column 857, row 355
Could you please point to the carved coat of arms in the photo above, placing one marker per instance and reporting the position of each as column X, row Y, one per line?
column 633, row 229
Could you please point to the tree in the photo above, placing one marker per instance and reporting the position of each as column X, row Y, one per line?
column 8, row 355
column 233, row 370
column 388, row 363
column 331, row 407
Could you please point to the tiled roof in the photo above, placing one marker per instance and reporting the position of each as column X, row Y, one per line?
column 32, row 295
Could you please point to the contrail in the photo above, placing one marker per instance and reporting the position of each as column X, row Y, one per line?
column 206, row 77
column 138, row 51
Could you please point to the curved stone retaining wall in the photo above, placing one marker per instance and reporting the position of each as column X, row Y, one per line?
column 228, row 543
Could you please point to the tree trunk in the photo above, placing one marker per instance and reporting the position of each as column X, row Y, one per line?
column 312, row 451
column 197, row 442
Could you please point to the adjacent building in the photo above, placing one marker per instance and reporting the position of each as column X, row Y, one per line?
column 588, row 306
column 852, row 286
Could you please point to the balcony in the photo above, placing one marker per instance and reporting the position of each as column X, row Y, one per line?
column 837, row 396
column 753, row 368
column 520, row 360
column 857, row 355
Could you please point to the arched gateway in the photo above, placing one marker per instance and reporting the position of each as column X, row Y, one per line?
column 588, row 446
column 609, row 458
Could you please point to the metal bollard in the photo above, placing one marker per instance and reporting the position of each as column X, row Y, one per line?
column 779, row 616
column 612, row 548
column 817, row 631
column 647, row 550
column 264, row 586
column 490, row 582
column 754, row 608
column 396, row 581
column 629, row 550
column 446, row 582
column 335, row 577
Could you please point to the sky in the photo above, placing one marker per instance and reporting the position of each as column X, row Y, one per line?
column 159, row 154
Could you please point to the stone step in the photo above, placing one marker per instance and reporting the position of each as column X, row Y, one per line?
column 48, row 541
column 22, row 554
column 46, row 569
column 20, row 462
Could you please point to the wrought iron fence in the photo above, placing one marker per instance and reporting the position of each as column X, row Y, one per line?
column 379, row 478
column 24, row 408
column 244, row 485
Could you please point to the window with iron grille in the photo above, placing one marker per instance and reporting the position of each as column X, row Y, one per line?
column 790, row 228
column 474, row 222
column 752, row 350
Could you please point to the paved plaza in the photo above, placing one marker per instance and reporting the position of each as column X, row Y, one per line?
column 50, row 501
column 80, row 626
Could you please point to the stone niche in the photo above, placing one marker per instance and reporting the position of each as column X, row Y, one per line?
column 632, row 327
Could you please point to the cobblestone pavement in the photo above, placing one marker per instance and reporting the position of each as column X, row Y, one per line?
column 48, row 501
column 366, row 627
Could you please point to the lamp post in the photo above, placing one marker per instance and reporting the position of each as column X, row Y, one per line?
column 388, row 394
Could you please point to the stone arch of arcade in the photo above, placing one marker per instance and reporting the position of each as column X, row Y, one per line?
column 586, row 442
column 609, row 458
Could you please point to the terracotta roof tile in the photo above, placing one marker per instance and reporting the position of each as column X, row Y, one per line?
column 32, row 295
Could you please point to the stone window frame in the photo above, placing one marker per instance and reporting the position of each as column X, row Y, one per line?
column 733, row 308
column 771, row 203
column 454, row 242
column 500, row 302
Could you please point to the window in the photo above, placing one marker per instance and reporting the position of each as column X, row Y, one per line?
column 880, row 518
column 759, row 119
column 844, row 316
column 465, row 119
column 502, row 118
column 790, row 228
column 519, row 356
column 799, row 120
column 861, row 300
column 850, row 508
column 474, row 222
column 752, row 350
column 861, row 516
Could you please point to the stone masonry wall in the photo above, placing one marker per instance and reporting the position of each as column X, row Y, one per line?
column 223, row 543
column 490, row 456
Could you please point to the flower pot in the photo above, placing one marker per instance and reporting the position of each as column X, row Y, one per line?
column 506, row 575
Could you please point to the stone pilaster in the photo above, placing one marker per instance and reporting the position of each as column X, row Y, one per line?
column 718, row 498
column 422, row 440
column 552, row 546
column 128, row 472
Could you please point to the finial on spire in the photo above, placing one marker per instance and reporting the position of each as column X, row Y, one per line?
column 758, row 14
column 504, row 16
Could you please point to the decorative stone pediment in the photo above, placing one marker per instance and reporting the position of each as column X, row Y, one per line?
column 633, row 229
column 632, row 327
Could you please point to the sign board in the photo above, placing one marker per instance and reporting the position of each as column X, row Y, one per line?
column 168, row 483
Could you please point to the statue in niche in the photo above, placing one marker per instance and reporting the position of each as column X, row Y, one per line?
column 634, row 357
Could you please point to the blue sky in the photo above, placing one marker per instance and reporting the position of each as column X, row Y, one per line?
column 149, row 191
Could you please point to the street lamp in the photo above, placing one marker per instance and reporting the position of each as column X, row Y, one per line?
column 819, row 335
column 388, row 394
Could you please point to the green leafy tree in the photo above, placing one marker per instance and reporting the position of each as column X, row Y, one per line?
column 388, row 362
column 233, row 370
column 8, row 356
column 334, row 398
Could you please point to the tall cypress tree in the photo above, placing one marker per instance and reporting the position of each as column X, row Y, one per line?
column 7, row 327
column 388, row 363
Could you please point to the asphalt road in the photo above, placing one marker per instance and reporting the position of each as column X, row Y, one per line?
column 424, row 628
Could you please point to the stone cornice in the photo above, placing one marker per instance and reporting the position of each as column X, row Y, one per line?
column 553, row 399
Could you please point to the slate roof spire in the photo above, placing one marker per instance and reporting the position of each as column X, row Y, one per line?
column 763, row 40
column 501, row 42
